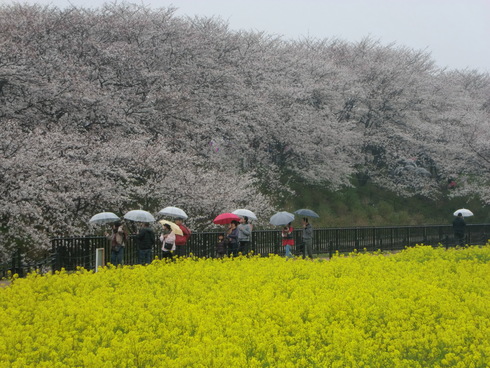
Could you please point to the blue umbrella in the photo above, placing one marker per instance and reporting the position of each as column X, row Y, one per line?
column 282, row 218
column 306, row 213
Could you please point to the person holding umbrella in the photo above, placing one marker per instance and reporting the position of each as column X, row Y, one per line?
column 181, row 240
column 168, row 241
column 459, row 226
column 307, row 238
column 244, row 233
column 146, row 242
column 232, row 238
column 118, row 239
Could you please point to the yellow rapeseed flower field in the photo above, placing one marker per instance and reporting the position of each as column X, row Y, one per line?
column 423, row 307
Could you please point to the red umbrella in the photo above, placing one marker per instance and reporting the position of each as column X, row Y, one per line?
column 226, row 218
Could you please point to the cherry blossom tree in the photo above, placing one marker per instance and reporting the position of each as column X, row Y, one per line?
column 126, row 107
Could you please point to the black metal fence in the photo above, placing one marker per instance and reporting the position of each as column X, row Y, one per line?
column 72, row 252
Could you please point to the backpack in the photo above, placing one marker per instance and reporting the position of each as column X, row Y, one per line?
column 187, row 234
column 120, row 236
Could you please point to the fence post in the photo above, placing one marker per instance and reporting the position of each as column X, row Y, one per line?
column 330, row 249
column 276, row 240
column 392, row 238
column 53, row 256
column 337, row 240
column 356, row 237
column 99, row 258
column 17, row 263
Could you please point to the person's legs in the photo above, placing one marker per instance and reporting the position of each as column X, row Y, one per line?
column 308, row 248
column 244, row 245
column 148, row 257
column 120, row 256
column 460, row 239
column 288, row 251
column 117, row 257
column 180, row 250
column 141, row 256
column 144, row 256
column 233, row 249
column 300, row 248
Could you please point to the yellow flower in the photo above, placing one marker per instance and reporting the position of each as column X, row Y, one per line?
column 422, row 307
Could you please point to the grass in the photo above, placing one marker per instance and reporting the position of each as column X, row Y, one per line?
column 370, row 205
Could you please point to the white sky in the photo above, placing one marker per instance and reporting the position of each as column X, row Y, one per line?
column 455, row 32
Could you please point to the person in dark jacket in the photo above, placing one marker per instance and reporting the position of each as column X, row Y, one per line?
column 146, row 241
column 459, row 228
column 232, row 239
column 221, row 246
column 307, row 238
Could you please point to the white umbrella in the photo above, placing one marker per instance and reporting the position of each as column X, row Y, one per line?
column 243, row 212
column 139, row 216
column 465, row 212
column 173, row 212
column 282, row 218
column 104, row 218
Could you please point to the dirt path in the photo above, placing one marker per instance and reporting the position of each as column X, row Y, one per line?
column 4, row 283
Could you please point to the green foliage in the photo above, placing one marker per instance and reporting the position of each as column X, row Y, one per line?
column 370, row 205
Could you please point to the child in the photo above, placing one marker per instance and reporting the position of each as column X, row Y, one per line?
column 287, row 239
column 220, row 246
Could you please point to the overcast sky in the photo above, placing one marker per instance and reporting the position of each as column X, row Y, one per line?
column 455, row 32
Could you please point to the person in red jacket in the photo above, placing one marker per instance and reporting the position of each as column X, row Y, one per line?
column 181, row 240
column 287, row 239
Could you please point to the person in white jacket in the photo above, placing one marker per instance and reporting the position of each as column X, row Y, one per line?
column 168, row 241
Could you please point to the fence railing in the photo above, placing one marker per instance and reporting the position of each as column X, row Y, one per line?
column 72, row 252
